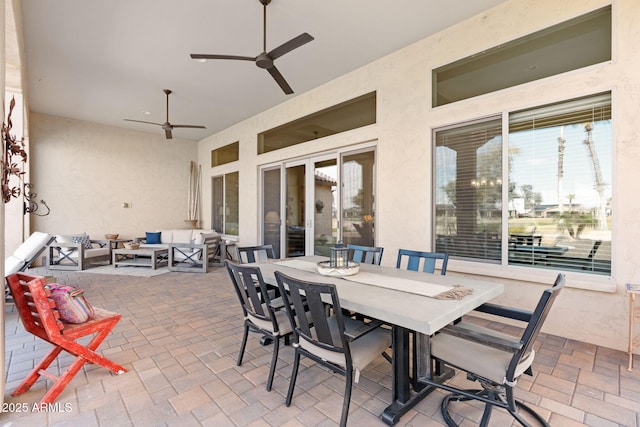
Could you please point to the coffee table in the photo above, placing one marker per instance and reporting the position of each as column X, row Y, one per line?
column 142, row 257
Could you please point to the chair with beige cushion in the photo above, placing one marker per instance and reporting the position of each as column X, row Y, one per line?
column 258, row 312
column 340, row 343
column 197, row 256
column 77, row 251
column 496, row 360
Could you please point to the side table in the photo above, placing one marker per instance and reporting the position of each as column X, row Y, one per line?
column 634, row 315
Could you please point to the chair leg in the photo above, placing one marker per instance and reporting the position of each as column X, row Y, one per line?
column 243, row 345
column 294, row 375
column 35, row 373
column 274, row 360
column 62, row 381
column 347, row 397
column 510, row 405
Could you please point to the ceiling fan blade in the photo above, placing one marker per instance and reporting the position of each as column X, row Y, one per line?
column 188, row 126
column 141, row 121
column 205, row 56
column 167, row 133
column 280, row 80
column 294, row 43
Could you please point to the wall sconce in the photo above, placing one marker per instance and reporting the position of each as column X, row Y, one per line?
column 30, row 205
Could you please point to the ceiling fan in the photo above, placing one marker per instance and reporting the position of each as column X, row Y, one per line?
column 168, row 127
column 265, row 59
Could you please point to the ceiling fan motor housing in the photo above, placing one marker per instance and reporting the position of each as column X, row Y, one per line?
column 264, row 61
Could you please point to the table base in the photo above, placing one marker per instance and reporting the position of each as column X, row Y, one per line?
column 406, row 393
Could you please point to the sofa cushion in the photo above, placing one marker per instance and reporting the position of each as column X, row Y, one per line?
column 182, row 236
column 166, row 236
column 153, row 238
column 96, row 252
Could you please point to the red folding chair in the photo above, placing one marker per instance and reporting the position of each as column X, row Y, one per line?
column 41, row 319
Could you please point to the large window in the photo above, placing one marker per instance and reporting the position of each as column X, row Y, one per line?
column 227, row 154
column 579, row 42
column 225, row 204
column 557, row 187
column 351, row 114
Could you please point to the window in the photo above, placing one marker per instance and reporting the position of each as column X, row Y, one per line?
column 468, row 190
column 225, row 204
column 351, row 114
column 558, row 187
column 227, row 154
column 577, row 43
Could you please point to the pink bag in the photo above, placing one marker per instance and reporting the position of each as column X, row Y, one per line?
column 70, row 303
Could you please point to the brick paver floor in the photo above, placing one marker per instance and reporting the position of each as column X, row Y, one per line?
column 179, row 337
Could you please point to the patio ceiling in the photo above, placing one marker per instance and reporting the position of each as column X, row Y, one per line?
column 106, row 61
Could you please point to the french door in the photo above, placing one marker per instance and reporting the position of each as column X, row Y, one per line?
column 308, row 205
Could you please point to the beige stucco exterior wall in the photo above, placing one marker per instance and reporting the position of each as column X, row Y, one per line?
column 592, row 309
column 86, row 171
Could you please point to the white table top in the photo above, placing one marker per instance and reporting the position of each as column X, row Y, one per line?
column 416, row 312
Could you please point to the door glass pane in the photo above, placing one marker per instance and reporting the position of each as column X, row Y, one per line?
column 217, row 214
column 271, row 209
column 358, row 204
column 295, row 205
column 325, row 223
column 231, row 204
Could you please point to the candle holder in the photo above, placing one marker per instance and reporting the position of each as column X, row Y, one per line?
column 338, row 256
column 338, row 264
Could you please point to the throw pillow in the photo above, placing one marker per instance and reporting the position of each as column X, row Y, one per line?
column 153, row 238
column 84, row 239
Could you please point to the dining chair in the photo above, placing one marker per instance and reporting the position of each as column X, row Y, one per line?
column 249, row 254
column 258, row 314
column 365, row 254
column 324, row 335
column 428, row 259
column 494, row 359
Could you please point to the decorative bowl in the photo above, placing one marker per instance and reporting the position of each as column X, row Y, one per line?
column 350, row 269
column 111, row 236
column 131, row 245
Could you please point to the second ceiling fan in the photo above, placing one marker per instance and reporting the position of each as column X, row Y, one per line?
column 265, row 59
column 168, row 127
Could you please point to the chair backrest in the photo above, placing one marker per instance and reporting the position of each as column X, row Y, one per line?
column 320, row 331
column 430, row 260
column 35, row 308
column 535, row 324
column 249, row 254
column 252, row 293
column 365, row 254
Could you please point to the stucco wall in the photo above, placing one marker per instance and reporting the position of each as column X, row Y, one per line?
column 592, row 309
column 86, row 171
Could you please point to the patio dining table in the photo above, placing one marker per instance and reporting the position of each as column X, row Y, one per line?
column 406, row 300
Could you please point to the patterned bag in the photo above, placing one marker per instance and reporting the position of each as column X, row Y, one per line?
column 71, row 303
